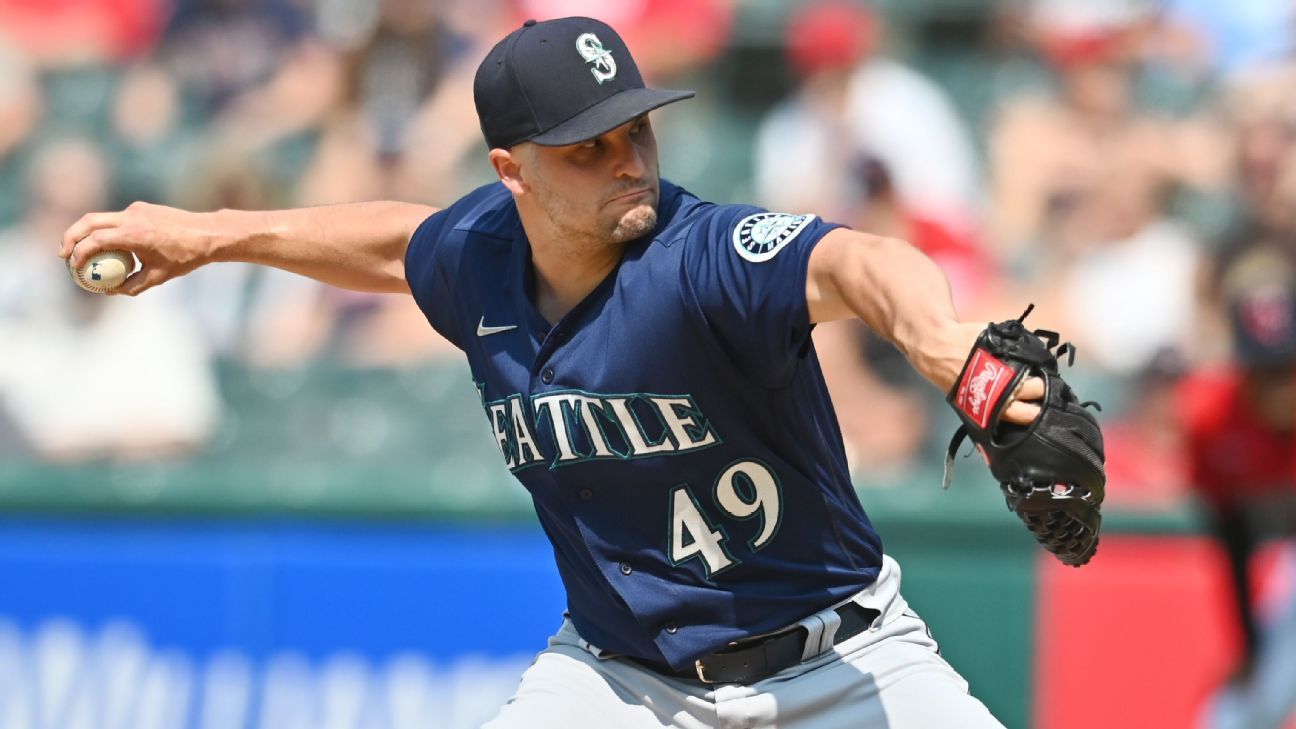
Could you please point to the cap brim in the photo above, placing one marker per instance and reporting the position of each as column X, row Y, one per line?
column 607, row 115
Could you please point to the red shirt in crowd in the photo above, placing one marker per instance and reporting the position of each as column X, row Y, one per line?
column 1234, row 455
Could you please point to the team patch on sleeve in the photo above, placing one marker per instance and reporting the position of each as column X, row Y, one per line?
column 761, row 236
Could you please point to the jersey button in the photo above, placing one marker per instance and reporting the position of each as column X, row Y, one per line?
column 586, row 494
column 626, row 569
column 672, row 628
column 547, row 376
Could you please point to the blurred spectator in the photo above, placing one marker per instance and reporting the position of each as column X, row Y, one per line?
column 853, row 103
column 1081, row 184
column 1245, row 414
column 1241, row 422
column 94, row 376
column 1087, row 163
column 1262, row 111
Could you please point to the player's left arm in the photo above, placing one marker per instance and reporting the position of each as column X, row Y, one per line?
column 904, row 296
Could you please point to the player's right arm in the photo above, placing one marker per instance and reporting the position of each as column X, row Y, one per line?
column 357, row 246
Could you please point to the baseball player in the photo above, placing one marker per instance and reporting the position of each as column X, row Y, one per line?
column 645, row 364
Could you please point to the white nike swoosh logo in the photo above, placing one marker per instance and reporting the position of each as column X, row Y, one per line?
column 485, row 331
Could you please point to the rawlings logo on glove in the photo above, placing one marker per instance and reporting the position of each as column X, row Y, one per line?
column 987, row 380
column 1051, row 471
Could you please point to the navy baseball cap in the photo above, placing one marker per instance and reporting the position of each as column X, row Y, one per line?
column 560, row 82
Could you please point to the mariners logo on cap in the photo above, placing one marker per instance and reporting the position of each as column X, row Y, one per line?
column 761, row 236
column 592, row 50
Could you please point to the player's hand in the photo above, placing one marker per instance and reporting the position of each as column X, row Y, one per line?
column 955, row 345
column 167, row 241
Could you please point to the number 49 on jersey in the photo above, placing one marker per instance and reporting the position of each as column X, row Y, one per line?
column 745, row 490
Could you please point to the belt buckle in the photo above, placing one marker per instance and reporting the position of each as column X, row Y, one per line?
column 701, row 671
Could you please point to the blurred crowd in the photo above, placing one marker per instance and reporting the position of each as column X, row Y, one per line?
column 1127, row 165
column 1120, row 163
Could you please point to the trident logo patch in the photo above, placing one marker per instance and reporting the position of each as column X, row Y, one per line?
column 592, row 50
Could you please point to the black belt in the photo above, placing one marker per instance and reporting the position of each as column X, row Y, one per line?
column 751, row 660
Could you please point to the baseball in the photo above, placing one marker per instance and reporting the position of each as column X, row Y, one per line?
column 103, row 271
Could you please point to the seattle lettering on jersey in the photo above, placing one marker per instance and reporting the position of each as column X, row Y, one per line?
column 581, row 426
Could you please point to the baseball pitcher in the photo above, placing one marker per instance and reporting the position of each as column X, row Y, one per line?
column 645, row 365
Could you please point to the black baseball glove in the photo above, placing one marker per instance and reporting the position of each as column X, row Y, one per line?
column 1051, row 471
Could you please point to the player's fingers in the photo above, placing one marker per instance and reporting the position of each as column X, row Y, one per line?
column 1020, row 409
column 88, row 224
column 1031, row 388
column 1021, row 413
column 103, row 239
column 140, row 281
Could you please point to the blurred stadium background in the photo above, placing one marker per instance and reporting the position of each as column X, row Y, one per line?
column 245, row 500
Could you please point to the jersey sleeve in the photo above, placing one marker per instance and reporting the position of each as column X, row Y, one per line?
column 431, row 261
column 746, row 271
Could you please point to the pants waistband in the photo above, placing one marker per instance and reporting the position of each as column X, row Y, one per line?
column 754, row 659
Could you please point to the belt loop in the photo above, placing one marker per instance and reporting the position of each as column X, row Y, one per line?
column 832, row 621
column 814, row 626
column 821, row 629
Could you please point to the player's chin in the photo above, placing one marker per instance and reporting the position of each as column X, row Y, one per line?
column 634, row 223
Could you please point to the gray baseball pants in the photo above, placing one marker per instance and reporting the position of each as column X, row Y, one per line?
column 887, row 677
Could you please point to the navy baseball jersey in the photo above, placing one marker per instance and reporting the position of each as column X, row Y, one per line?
column 673, row 429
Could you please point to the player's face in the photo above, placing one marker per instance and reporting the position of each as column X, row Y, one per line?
column 605, row 188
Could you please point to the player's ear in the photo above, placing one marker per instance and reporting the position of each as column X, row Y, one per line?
column 508, row 165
